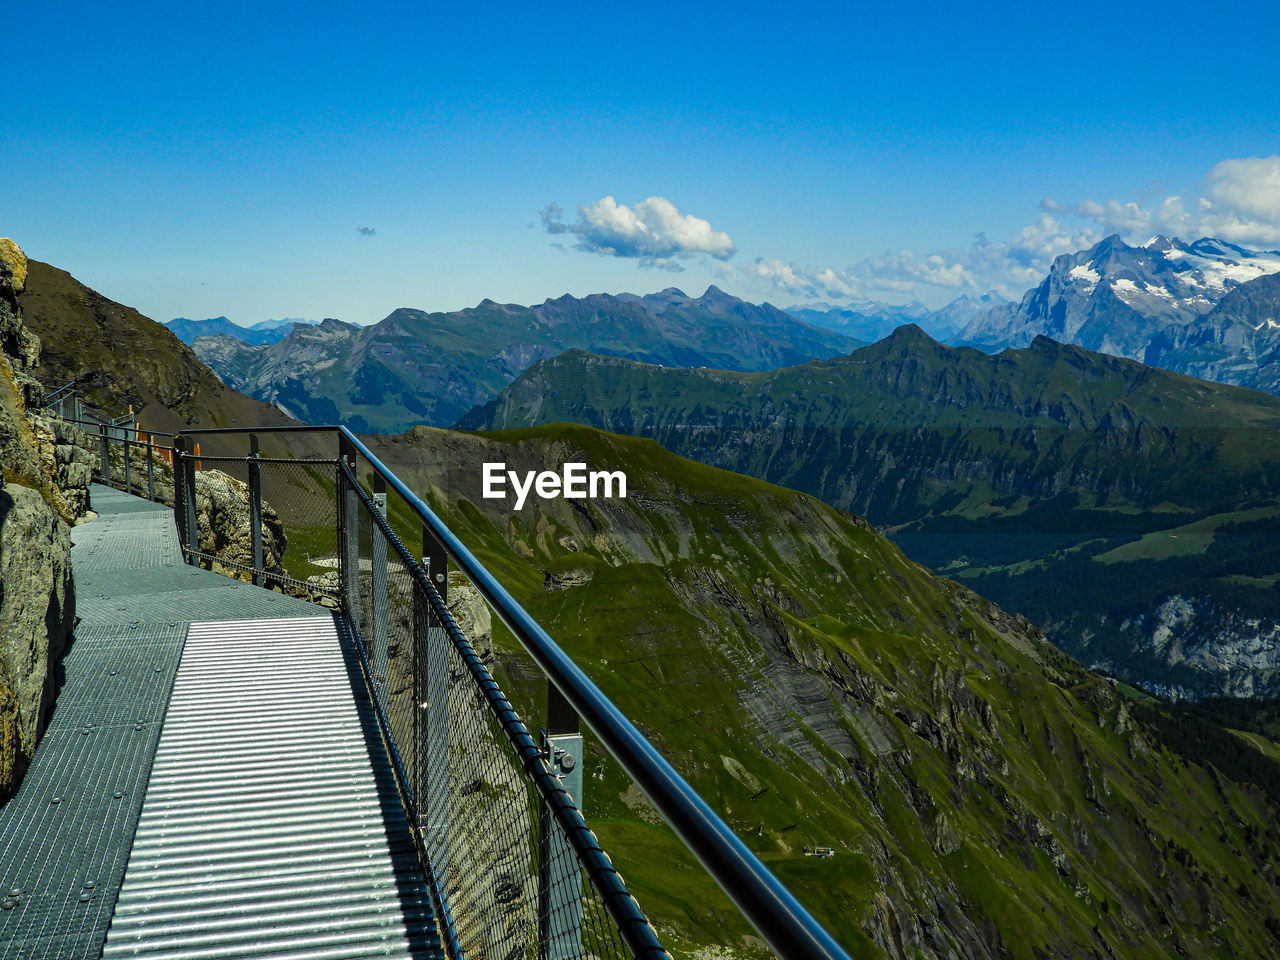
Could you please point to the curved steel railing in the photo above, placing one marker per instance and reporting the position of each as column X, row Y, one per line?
column 788, row 928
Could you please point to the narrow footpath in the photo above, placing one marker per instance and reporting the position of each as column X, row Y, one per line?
column 211, row 783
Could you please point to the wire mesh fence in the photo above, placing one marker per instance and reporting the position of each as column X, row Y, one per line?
column 135, row 461
column 262, row 519
column 513, row 869
column 512, row 884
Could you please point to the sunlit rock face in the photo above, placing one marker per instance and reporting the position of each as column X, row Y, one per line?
column 37, row 595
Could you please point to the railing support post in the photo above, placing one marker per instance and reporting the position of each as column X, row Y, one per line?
column 104, row 460
column 151, row 469
column 255, row 510
column 435, row 563
column 184, row 498
column 348, row 533
column 179, row 498
column 378, row 597
column 559, row 875
column 126, row 446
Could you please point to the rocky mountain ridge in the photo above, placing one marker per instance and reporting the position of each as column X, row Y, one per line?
column 121, row 359
column 415, row 367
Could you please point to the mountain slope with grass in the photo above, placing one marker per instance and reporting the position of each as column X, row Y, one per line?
column 120, row 358
column 983, row 795
column 1129, row 511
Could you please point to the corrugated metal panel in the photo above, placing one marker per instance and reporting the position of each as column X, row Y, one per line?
column 266, row 831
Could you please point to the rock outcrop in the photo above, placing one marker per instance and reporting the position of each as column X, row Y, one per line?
column 222, row 516
column 44, row 490
column 37, row 608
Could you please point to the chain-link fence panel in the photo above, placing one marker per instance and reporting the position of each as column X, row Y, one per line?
column 268, row 521
column 508, row 882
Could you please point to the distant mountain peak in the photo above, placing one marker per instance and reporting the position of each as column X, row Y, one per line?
column 910, row 333
column 716, row 299
column 904, row 339
column 1133, row 301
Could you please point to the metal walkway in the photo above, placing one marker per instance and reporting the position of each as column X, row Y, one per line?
column 269, row 825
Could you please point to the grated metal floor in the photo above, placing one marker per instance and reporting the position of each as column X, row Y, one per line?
column 65, row 838
column 264, row 832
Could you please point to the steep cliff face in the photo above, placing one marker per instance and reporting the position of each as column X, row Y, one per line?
column 45, row 481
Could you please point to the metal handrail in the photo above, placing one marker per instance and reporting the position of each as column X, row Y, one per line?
column 120, row 425
column 66, row 386
column 618, row 902
column 780, row 919
column 770, row 907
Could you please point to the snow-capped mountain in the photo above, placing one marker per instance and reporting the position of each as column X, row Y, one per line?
column 1238, row 341
column 1125, row 300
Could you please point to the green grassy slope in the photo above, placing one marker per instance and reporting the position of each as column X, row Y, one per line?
column 985, row 795
column 1042, row 477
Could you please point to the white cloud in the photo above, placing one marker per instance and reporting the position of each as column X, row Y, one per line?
column 1239, row 201
column 1008, row 268
column 654, row 232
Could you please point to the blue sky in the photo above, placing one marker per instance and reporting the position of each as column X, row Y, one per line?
column 222, row 159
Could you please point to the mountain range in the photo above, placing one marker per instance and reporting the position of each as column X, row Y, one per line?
column 1209, row 308
column 871, row 320
column 1041, row 477
column 262, row 332
column 415, row 367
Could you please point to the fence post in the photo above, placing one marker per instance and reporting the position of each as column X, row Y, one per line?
column 179, row 492
column 255, row 509
column 348, row 534
column 436, row 762
column 189, row 495
column 378, row 597
column 559, row 875
column 104, row 461
column 151, row 469
column 126, row 446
